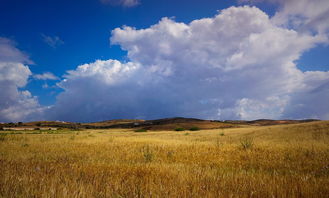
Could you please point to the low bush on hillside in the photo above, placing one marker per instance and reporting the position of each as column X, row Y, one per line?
column 179, row 129
column 140, row 130
column 194, row 129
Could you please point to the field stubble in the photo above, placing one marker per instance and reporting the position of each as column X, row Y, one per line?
column 271, row 161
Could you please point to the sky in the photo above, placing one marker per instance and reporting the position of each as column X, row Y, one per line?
column 94, row 60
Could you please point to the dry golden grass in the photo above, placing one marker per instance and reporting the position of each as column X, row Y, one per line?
column 271, row 161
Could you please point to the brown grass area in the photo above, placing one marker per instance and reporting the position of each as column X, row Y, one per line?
column 189, row 125
column 264, row 161
column 112, row 122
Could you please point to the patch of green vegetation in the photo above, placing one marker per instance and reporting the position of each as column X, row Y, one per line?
column 194, row 128
column 179, row 129
column 140, row 130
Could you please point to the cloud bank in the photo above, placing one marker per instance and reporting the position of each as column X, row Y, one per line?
column 303, row 15
column 239, row 64
column 15, row 104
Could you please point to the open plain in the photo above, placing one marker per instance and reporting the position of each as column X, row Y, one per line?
column 289, row 160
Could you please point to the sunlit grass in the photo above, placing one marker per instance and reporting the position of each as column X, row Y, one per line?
column 282, row 161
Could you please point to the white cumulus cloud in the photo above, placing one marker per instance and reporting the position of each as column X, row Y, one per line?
column 9, row 53
column 15, row 104
column 304, row 15
column 239, row 64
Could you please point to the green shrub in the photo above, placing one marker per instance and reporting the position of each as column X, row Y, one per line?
column 140, row 130
column 179, row 129
column 194, row 129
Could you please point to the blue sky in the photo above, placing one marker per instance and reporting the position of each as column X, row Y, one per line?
column 58, row 36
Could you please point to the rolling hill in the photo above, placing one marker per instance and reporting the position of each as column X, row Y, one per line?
column 156, row 125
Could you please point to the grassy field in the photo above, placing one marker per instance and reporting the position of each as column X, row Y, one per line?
column 265, row 161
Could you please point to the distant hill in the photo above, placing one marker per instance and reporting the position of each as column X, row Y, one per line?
column 173, row 123
column 159, row 124
column 113, row 122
